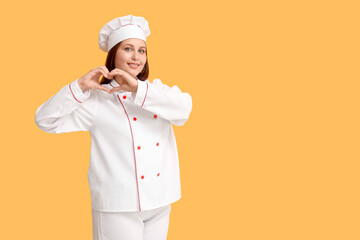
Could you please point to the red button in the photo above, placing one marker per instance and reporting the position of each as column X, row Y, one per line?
column 157, row 144
column 138, row 147
column 155, row 116
column 134, row 119
column 158, row 174
column 124, row 97
column 142, row 177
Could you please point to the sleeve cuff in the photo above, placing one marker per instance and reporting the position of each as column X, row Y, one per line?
column 77, row 93
column 141, row 93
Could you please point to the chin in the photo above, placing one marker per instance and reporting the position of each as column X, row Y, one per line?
column 134, row 74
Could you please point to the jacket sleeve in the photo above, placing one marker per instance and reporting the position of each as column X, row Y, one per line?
column 68, row 110
column 167, row 102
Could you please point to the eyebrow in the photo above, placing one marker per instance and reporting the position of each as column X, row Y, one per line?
column 133, row 45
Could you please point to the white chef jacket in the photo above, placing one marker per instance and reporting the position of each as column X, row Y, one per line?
column 134, row 162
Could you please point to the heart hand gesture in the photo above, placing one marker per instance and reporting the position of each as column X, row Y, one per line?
column 124, row 79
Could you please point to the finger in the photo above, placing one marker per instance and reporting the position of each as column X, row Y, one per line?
column 105, row 70
column 124, row 74
column 102, row 71
column 116, row 71
column 95, row 73
column 113, row 72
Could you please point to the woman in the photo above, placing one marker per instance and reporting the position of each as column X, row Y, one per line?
column 134, row 169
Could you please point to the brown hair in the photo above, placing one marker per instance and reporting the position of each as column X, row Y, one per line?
column 110, row 65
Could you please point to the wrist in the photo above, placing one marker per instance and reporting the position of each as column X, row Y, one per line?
column 81, row 85
column 136, row 86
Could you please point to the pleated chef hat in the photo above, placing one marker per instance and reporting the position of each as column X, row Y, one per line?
column 122, row 28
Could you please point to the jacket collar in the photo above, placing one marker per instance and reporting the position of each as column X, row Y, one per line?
column 114, row 83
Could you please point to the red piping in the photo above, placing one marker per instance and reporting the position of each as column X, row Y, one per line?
column 131, row 24
column 73, row 94
column 132, row 135
column 147, row 86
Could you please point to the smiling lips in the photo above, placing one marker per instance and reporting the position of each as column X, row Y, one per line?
column 134, row 65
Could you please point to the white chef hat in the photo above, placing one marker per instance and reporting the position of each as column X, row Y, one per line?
column 122, row 28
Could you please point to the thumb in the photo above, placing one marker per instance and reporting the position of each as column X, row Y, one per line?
column 115, row 89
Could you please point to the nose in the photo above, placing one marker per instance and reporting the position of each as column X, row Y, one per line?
column 135, row 55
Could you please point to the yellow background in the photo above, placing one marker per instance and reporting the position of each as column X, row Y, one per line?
column 271, row 149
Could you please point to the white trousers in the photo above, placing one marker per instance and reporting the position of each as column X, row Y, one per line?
column 145, row 225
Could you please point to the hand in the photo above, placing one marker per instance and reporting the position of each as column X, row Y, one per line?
column 91, row 79
column 124, row 79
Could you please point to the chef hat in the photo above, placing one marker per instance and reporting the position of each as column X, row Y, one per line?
column 122, row 28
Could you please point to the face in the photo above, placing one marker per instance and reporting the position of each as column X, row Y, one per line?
column 131, row 56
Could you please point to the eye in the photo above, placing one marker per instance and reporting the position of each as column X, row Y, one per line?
column 142, row 51
column 127, row 49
